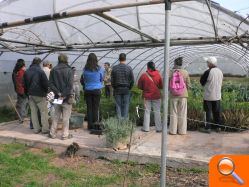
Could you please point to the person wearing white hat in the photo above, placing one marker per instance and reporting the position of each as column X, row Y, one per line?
column 212, row 80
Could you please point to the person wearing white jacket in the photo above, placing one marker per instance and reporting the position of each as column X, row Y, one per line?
column 212, row 80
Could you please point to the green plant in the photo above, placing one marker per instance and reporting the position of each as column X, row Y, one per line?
column 235, row 97
column 24, row 166
column 49, row 151
column 152, row 168
column 238, row 118
column 117, row 131
column 192, row 170
column 7, row 114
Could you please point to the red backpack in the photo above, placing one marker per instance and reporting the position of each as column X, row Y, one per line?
column 177, row 85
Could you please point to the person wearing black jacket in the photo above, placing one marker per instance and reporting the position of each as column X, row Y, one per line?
column 61, row 83
column 36, row 87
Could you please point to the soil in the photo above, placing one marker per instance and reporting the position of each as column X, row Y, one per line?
column 175, row 177
column 134, row 172
column 186, row 179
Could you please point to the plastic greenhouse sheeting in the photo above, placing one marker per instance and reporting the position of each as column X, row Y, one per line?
column 189, row 19
column 78, row 36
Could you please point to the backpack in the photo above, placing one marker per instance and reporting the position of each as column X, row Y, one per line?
column 177, row 85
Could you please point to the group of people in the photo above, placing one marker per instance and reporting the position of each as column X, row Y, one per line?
column 179, row 85
column 118, row 82
column 36, row 83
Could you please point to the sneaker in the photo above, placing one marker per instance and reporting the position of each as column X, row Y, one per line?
column 68, row 137
column 182, row 134
column 144, row 130
column 25, row 119
column 158, row 131
column 204, row 130
column 37, row 132
column 50, row 136
column 172, row 133
column 45, row 132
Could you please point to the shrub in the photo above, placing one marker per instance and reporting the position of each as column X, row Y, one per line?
column 235, row 104
column 117, row 131
column 7, row 114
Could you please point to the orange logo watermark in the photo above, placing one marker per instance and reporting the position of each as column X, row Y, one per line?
column 229, row 171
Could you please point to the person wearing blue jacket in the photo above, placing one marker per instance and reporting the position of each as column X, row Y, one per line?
column 92, row 82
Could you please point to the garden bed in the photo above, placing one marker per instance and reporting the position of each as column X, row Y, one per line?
column 235, row 105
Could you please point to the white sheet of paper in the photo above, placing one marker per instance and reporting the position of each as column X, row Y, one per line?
column 58, row 101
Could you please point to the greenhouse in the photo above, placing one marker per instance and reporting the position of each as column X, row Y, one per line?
column 198, row 29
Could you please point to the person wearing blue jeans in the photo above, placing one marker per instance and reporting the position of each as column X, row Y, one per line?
column 122, row 105
column 122, row 80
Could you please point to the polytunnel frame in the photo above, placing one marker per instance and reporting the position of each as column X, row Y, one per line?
column 234, row 48
column 194, row 55
column 166, row 54
column 177, row 51
column 184, row 17
column 227, row 49
column 56, row 16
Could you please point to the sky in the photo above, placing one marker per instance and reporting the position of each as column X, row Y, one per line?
column 235, row 5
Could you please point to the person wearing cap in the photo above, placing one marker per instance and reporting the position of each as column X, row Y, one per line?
column 46, row 69
column 178, row 103
column 151, row 83
column 212, row 80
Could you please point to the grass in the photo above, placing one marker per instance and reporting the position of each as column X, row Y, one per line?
column 192, row 170
column 29, row 167
column 19, row 165
column 48, row 151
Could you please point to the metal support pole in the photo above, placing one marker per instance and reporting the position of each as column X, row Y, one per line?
column 126, row 25
column 165, row 94
column 62, row 15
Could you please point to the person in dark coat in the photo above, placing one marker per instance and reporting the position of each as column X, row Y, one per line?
column 61, row 83
column 36, row 87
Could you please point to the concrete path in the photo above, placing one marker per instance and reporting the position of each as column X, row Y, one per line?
column 194, row 149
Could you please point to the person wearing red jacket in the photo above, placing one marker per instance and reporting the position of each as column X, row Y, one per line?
column 151, row 83
column 22, row 99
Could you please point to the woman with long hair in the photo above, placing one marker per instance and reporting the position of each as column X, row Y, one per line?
column 92, row 82
column 17, row 78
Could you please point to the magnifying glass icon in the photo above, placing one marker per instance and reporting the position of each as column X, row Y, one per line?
column 226, row 167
